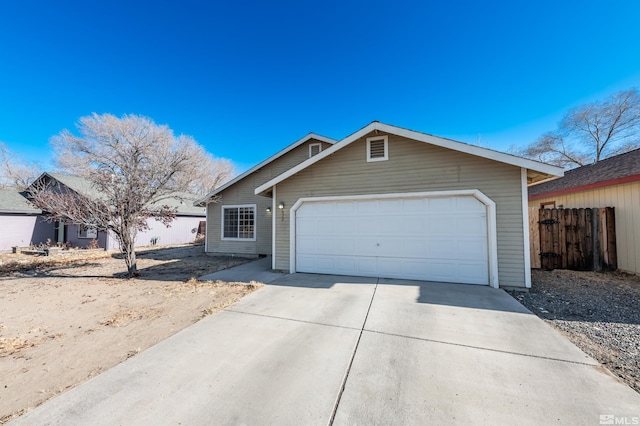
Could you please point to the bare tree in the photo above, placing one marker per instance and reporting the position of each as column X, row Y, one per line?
column 132, row 166
column 14, row 171
column 553, row 149
column 210, row 174
column 591, row 132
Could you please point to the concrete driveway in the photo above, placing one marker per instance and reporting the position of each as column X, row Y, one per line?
column 317, row 350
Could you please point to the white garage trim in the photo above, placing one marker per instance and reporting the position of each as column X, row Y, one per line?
column 525, row 228
column 492, row 239
column 273, row 229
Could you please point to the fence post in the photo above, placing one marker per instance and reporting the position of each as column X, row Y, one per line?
column 595, row 232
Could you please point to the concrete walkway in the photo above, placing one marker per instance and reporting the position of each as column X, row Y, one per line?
column 257, row 270
column 317, row 350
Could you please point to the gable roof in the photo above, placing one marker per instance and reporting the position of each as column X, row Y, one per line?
column 536, row 170
column 611, row 171
column 205, row 199
column 184, row 202
column 13, row 201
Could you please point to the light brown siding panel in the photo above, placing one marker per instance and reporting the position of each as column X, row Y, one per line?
column 414, row 167
column 625, row 199
column 242, row 192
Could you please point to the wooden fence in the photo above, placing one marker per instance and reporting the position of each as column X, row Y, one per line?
column 578, row 239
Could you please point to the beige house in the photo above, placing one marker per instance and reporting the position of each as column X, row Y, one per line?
column 386, row 202
column 238, row 221
column 613, row 182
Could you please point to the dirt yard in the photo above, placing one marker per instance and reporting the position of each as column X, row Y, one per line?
column 598, row 312
column 62, row 324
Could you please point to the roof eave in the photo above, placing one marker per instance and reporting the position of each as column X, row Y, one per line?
column 536, row 166
column 206, row 199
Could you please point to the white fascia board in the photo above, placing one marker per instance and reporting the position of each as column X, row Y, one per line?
column 474, row 150
column 204, row 200
column 421, row 137
column 525, row 227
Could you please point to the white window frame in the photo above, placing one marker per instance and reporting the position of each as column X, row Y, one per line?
column 236, row 206
column 91, row 233
column 311, row 145
column 386, row 148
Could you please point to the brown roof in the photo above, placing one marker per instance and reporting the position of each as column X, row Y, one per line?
column 620, row 166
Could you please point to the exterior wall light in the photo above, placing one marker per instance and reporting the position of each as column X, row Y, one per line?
column 268, row 209
column 281, row 205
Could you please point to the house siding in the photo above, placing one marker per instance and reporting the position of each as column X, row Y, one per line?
column 242, row 192
column 24, row 230
column 72, row 239
column 182, row 230
column 413, row 167
column 625, row 199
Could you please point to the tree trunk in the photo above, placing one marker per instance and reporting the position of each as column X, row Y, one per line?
column 127, row 247
column 130, row 260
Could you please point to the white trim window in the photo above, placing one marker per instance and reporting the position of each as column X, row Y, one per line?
column 239, row 222
column 87, row 232
column 315, row 149
column 377, row 148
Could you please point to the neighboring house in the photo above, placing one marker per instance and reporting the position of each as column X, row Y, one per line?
column 613, row 182
column 389, row 202
column 21, row 222
column 182, row 229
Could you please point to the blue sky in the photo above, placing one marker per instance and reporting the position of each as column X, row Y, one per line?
column 247, row 78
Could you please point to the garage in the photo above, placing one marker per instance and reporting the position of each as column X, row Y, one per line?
column 430, row 238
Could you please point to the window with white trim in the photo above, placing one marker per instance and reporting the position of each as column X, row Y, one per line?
column 87, row 232
column 239, row 222
column 315, row 149
column 377, row 148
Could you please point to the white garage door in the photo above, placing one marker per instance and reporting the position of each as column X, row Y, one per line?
column 432, row 239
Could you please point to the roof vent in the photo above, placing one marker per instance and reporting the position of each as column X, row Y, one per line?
column 377, row 148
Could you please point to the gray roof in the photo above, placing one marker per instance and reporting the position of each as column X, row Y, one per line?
column 13, row 201
column 79, row 184
column 182, row 201
column 619, row 166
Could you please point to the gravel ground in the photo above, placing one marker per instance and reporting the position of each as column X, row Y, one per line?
column 598, row 312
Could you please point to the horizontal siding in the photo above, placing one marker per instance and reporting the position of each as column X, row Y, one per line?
column 182, row 230
column 625, row 199
column 414, row 167
column 242, row 192
column 24, row 230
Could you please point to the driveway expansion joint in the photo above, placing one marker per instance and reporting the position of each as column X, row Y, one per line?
column 292, row 319
column 353, row 355
column 482, row 348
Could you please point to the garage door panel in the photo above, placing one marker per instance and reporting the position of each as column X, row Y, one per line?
column 415, row 205
column 469, row 204
column 440, row 224
column 414, row 226
column 440, row 239
column 364, row 225
column 472, row 273
column 442, row 270
column 439, row 204
column 472, row 250
column 471, row 225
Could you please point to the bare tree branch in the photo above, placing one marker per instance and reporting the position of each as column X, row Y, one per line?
column 592, row 132
column 14, row 171
column 132, row 165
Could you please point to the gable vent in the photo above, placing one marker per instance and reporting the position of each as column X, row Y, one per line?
column 377, row 148
column 314, row 149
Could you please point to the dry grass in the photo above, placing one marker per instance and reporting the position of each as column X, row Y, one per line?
column 16, row 262
column 9, row 346
column 65, row 320
column 126, row 316
column 244, row 290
